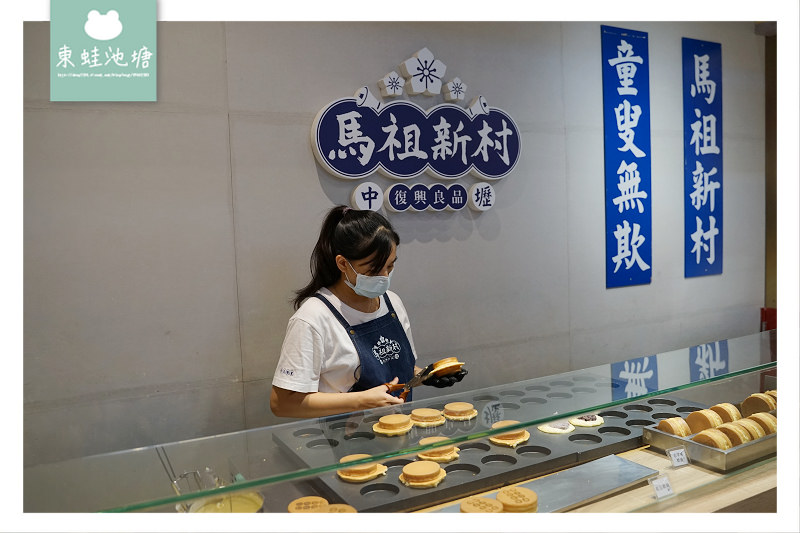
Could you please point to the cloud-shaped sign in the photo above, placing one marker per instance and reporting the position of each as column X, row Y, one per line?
column 102, row 27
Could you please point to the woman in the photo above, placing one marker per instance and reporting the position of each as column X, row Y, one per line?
column 349, row 335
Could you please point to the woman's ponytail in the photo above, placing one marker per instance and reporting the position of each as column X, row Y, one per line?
column 354, row 234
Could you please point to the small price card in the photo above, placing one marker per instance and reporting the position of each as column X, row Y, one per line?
column 661, row 486
column 678, row 456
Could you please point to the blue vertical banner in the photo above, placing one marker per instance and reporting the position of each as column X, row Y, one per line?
column 626, row 126
column 639, row 376
column 707, row 361
column 702, row 157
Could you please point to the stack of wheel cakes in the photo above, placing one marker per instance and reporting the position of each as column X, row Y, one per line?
column 724, row 426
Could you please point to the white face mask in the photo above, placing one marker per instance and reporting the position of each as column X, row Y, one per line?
column 369, row 286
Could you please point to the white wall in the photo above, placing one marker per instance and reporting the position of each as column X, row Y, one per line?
column 163, row 240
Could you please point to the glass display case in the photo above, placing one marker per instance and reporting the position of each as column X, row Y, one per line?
column 267, row 468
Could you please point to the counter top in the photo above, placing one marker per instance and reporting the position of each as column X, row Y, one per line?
column 697, row 490
column 751, row 488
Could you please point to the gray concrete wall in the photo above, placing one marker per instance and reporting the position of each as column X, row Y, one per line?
column 163, row 240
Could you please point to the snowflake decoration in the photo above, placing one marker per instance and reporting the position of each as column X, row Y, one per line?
column 392, row 84
column 455, row 90
column 424, row 73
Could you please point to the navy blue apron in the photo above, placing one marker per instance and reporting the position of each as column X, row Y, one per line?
column 382, row 346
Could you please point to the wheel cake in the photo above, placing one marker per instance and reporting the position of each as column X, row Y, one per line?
column 714, row 438
column 674, row 426
column 727, row 412
column 427, row 418
column 561, row 426
column 392, row 425
column 445, row 454
column 460, row 411
column 586, row 420
column 361, row 472
column 479, row 504
column 518, row 500
column 422, row 474
column 511, row 438
column 753, row 427
column 758, row 403
column 335, row 508
column 767, row 421
column 446, row 366
column 307, row 504
column 703, row 419
column 736, row 433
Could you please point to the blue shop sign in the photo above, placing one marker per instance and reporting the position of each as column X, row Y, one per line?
column 401, row 140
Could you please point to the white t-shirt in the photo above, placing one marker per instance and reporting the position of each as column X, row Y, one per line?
column 318, row 354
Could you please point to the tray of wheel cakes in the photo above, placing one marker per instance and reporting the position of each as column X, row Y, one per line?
column 725, row 436
column 512, row 452
column 436, row 475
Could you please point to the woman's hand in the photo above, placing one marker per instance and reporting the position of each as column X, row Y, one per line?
column 378, row 397
column 293, row 404
column 445, row 381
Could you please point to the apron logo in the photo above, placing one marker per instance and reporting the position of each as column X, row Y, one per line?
column 386, row 350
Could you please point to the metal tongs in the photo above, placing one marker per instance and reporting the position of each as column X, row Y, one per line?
column 413, row 382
